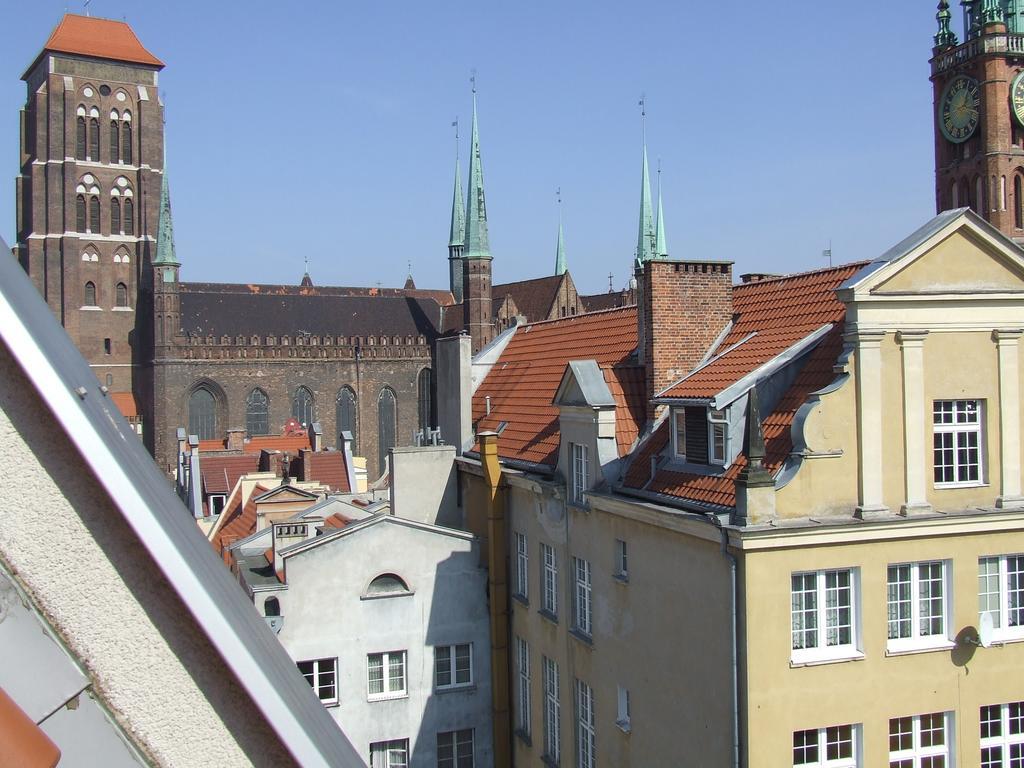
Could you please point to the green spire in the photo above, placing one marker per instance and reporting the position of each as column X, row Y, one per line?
column 165, row 232
column 991, row 12
column 660, row 246
column 560, row 264
column 645, row 241
column 458, row 231
column 945, row 36
column 477, row 245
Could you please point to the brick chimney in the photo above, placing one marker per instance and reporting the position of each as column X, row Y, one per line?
column 236, row 439
column 682, row 308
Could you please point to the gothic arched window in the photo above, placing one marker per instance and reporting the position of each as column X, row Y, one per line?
column 257, row 413
column 80, row 138
column 202, row 414
column 94, row 139
column 302, row 407
column 424, row 385
column 115, row 142
column 345, row 415
column 126, row 143
column 80, row 213
column 94, row 213
column 115, row 215
column 386, row 425
column 129, row 216
column 89, row 297
column 121, row 295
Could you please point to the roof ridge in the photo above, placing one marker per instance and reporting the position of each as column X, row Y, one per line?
column 579, row 316
column 496, row 286
column 794, row 275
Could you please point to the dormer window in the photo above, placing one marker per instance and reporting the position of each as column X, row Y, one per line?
column 679, row 432
column 700, row 435
column 718, row 436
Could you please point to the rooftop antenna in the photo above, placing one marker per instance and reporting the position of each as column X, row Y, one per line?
column 455, row 125
column 827, row 253
column 408, row 264
column 472, row 79
column 643, row 115
column 306, row 260
column 610, row 289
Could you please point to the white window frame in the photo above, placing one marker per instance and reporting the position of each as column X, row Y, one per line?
column 717, row 423
column 825, row 618
column 621, row 560
column 582, row 604
column 552, row 712
column 394, row 752
column 920, row 636
column 450, row 654
column 1005, row 587
column 995, row 732
column 679, row 427
column 918, row 751
column 458, row 739
column 522, row 565
column 586, row 728
column 622, row 716
column 523, row 686
column 316, row 674
column 580, row 473
column 825, row 741
column 549, row 579
column 387, row 679
column 952, row 410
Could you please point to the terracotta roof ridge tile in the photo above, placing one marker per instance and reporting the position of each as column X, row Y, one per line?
column 582, row 315
column 794, row 275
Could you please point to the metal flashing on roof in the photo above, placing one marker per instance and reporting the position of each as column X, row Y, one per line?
column 590, row 384
column 659, row 398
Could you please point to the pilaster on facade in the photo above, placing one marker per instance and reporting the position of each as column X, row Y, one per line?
column 867, row 345
column 914, row 427
column 1008, row 349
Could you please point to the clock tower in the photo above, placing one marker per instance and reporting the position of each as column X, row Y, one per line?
column 979, row 112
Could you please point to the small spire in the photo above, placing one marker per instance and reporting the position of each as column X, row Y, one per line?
column 945, row 36
column 754, row 474
column 645, row 240
column 457, row 235
column 660, row 245
column 307, row 281
column 992, row 12
column 165, row 253
column 477, row 242
column 560, row 264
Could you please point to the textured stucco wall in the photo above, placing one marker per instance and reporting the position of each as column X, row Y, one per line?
column 61, row 535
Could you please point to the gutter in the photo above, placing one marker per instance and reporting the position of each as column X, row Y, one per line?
column 734, row 600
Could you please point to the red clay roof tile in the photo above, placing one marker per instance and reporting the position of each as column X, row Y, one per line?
column 220, row 473
column 102, row 38
column 328, row 468
column 125, row 402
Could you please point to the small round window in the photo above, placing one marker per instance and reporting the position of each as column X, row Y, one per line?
column 387, row 584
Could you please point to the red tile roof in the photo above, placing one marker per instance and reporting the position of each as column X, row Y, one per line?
column 220, row 473
column 125, row 402
column 523, row 382
column 102, row 38
column 780, row 312
column 337, row 520
column 327, row 468
column 284, row 443
column 533, row 298
column 239, row 523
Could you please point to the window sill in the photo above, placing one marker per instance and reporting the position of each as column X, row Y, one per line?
column 387, row 595
column 330, row 704
column 910, row 650
column 524, row 737
column 1005, row 639
column 549, row 761
column 621, row 578
column 465, row 687
column 624, row 726
column 91, row 308
column 546, row 614
column 121, row 309
column 817, row 661
column 388, row 696
column 949, row 486
column 582, row 637
column 521, row 599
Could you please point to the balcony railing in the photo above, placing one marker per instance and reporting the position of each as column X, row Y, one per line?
column 1003, row 43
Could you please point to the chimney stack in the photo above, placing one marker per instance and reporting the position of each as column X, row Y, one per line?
column 236, row 439
column 682, row 308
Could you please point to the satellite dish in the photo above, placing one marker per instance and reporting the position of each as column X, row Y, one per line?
column 985, row 630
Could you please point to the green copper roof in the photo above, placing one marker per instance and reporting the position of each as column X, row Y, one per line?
column 645, row 240
column 560, row 264
column 945, row 36
column 458, row 230
column 660, row 245
column 477, row 245
column 165, row 233
column 991, row 11
column 1013, row 10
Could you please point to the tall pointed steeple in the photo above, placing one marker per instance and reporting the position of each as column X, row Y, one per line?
column 165, row 232
column 660, row 245
column 477, row 243
column 457, row 236
column 561, row 266
column 645, row 241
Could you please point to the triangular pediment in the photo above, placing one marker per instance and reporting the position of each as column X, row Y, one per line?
column 284, row 493
column 583, row 384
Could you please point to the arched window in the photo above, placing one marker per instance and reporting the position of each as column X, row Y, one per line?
column 89, row 298
column 129, row 216
column 115, row 142
column 94, row 139
column 271, row 607
column 257, row 413
column 424, row 385
column 1018, row 202
column 94, row 213
column 115, row 215
column 202, row 414
column 302, row 407
column 387, row 584
column 121, row 295
column 126, row 143
column 80, row 213
column 386, row 423
column 345, row 415
column 80, row 138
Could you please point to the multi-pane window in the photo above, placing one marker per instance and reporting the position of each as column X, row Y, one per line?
column 424, row 399
column 1001, row 593
column 322, row 675
column 453, row 665
column 80, row 138
column 957, row 442
column 549, row 579
column 921, row 741
column 621, row 559
column 1002, row 735
column 822, row 611
column 80, row 213
column 302, row 407
column 916, row 603
column 679, row 432
column 717, row 435
column 126, row 144
column 522, row 584
column 115, row 140
column 121, row 295
column 622, row 708
column 94, row 214
column 581, row 604
column 832, row 747
column 345, row 415
column 552, row 713
column 385, row 675
column 89, row 295
column 522, row 686
column 585, row 724
column 455, row 749
column 580, row 472
column 390, row 754
column 115, row 216
column 386, row 425
column 257, row 413
column 202, row 414
column 94, row 141
column 128, row 217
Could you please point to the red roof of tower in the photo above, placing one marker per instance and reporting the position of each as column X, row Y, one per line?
column 101, row 38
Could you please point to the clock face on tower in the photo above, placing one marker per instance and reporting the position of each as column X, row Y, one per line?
column 1017, row 97
column 958, row 108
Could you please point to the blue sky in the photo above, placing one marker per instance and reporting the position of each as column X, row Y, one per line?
column 323, row 130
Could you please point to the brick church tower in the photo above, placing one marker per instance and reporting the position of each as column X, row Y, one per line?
column 89, row 191
column 979, row 112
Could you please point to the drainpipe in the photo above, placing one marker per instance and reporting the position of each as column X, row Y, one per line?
column 497, row 583
column 734, row 600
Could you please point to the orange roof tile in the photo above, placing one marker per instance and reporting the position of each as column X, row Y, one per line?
column 337, row 520
column 328, row 468
column 283, row 443
column 125, row 402
column 220, row 473
column 780, row 312
column 523, row 382
column 241, row 522
column 102, row 38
